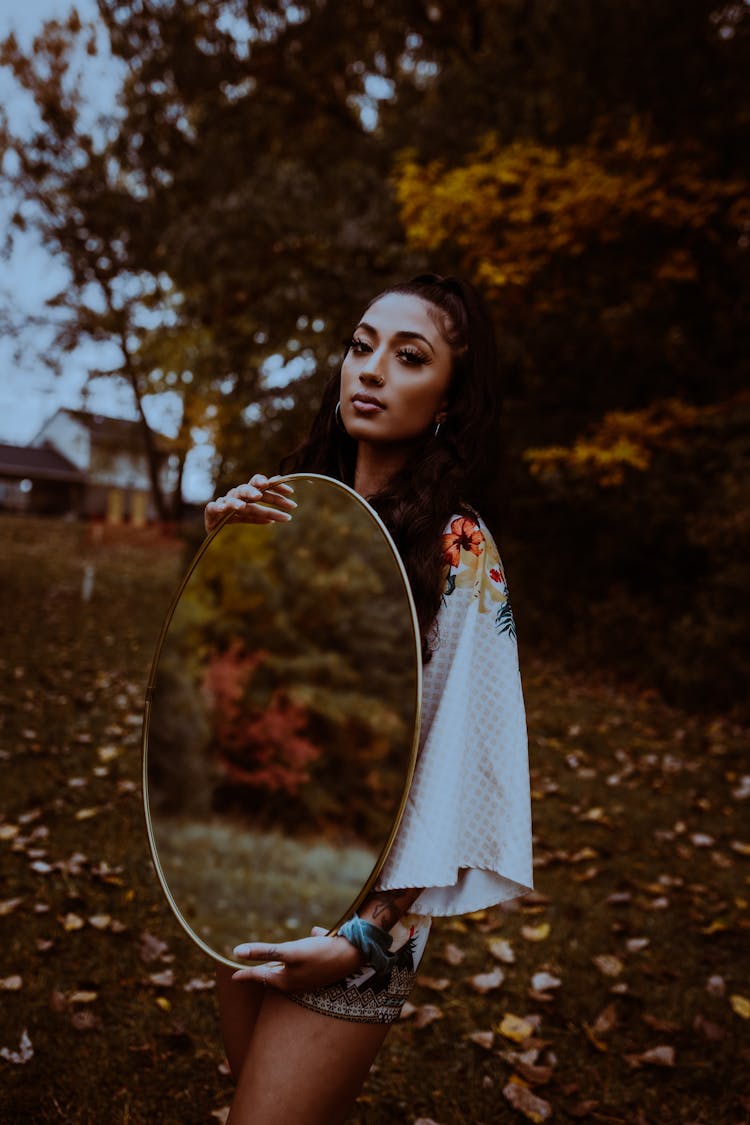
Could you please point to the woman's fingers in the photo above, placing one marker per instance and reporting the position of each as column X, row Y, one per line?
column 273, row 975
column 261, row 951
column 261, row 500
column 272, row 972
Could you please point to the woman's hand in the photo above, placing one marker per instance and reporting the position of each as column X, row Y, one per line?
column 244, row 502
column 295, row 966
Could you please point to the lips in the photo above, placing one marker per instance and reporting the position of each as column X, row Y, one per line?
column 368, row 401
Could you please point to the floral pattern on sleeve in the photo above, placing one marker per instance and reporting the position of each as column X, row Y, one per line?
column 473, row 562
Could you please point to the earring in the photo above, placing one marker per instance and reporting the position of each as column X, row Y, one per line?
column 337, row 416
column 436, row 431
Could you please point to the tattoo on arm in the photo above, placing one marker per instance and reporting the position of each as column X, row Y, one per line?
column 384, row 908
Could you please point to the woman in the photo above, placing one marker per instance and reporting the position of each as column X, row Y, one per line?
column 411, row 422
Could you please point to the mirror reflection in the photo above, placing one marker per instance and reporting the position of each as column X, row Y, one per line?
column 282, row 721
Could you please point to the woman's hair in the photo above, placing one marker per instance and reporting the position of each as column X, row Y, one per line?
column 447, row 473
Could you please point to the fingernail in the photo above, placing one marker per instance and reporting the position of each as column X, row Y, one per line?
column 241, row 950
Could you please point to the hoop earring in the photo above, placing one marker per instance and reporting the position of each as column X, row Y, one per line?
column 337, row 416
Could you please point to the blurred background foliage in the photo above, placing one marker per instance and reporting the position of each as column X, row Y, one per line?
column 271, row 166
column 279, row 696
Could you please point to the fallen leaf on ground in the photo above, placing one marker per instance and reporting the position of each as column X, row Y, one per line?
column 608, row 964
column 8, row 832
column 452, row 954
column 163, row 1003
column 100, row 921
column 515, row 1027
column 108, row 753
column 534, row 1075
column 427, row 1014
column 86, row 814
column 536, row 933
column 711, row 1031
column 740, row 1005
column 82, row 997
column 11, row 983
column 654, row 1056
column 221, row 1114
column 605, row 1021
column 716, row 985
column 543, row 980
column 151, row 948
column 408, row 1010
column 486, row 982
column 533, row 1107
column 483, row 1039
column 437, row 984
column 9, row 906
column 198, row 984
column 501, row 950
column 165, row 979
column 71, row 922
column 23, row 1054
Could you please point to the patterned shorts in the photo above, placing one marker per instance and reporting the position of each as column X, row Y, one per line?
column 368, row 996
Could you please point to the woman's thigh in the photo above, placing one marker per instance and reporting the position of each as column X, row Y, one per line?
column 301, row 1067
column 239, row 1006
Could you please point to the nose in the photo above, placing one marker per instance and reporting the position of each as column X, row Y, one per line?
column 370, row 373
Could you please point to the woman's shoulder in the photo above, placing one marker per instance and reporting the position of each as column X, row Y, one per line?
column 474, row 570
column 466, row 534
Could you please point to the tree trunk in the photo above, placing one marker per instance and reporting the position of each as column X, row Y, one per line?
column 152, row 453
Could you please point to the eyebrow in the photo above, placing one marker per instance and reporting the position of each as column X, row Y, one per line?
column 403, row 335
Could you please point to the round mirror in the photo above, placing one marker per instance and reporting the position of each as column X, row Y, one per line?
column 281, row 722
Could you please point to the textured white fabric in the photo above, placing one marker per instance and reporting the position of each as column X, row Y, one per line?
column 466, row 832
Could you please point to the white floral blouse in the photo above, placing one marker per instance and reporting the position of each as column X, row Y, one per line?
column 466, row 832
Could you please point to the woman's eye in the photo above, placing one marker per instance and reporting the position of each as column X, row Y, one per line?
column 412, row 357
column 359, row 346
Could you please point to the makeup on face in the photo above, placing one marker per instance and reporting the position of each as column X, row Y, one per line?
column 395, row 376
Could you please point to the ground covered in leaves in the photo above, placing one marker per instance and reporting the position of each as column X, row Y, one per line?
column 618, row 992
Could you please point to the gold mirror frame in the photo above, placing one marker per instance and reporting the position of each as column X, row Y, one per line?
column 149, row 695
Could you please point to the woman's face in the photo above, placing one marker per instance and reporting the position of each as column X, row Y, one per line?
column 394, row 379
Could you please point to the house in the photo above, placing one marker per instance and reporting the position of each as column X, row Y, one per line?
column 39, row 480
column 88, row 465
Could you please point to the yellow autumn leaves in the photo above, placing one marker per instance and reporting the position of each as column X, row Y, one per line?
column 512, row 208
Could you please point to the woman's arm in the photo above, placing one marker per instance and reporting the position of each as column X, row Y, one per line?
column 384, row 908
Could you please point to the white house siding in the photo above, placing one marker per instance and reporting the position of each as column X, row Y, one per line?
column 118, row 484
column 69, row 436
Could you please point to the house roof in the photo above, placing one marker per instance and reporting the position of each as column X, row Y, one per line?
column 37, row 462
column 121, row 432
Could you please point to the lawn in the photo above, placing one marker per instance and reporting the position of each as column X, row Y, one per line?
column 618, row 992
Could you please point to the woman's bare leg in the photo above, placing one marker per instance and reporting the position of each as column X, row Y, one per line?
column 239, row 1005
column 301, row 1067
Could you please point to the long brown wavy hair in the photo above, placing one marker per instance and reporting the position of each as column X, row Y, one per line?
column 448, row 474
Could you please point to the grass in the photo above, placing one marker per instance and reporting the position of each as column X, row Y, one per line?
column 640, row 910
column 233, row 884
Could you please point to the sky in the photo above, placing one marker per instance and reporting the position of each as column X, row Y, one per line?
column 29, row 392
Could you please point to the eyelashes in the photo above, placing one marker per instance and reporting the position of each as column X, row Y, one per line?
column 411, row 356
